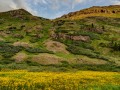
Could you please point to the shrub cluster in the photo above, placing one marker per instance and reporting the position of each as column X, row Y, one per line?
column 92, row 35
column 8, row 50
column 115, row 45
column 87, row 52
column 37, row 50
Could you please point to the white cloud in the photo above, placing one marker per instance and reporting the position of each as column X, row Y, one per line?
column 6, row 5
column 116, row 2
column 75, row 2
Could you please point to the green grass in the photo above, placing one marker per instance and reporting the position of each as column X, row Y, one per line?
column 97, row 49
column 66, row 56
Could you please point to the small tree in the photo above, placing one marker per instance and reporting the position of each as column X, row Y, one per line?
column 92, row 25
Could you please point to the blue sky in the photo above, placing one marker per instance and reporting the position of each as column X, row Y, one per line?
column 53, row 8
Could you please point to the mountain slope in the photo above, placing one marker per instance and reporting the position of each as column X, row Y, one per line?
column 37, row 44
column 105, row 11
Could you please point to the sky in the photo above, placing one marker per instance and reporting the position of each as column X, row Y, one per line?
column 52, row 8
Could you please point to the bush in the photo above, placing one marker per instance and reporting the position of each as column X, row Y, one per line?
column 103, row 57
column 9, row 50
column 103, row 44
column 81, row 51
column 37, row 50
column 6, row 61
column 34, row 39
column 8, row 54
column 64, row 64
column 31, row 63
column 17, row 66
column 83, row 45
column 102, row 67
column 12, row 28
column 63, row 69
column 115, row 46
column 87, row 52
column 90, row 34
column 1, row 22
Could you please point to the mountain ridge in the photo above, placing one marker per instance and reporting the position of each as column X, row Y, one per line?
column 17, row 11
column 106, row 11
column 111, row 11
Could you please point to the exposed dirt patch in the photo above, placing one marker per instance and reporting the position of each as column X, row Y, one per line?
column 20, row 57
column 3, row 34
column 1, row 39
column 56, row 46
column 24, row 44
column 46, row 59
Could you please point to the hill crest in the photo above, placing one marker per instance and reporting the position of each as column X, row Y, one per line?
column 16, row 12
column 106, row 11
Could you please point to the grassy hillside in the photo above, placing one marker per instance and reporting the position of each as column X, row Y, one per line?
column 105, row 11
column 38, row 44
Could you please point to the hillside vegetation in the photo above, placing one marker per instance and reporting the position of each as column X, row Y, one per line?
column 85, row 40
column 105, row 11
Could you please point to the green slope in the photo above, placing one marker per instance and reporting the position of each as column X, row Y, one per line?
column 38, row 44
column 105, row 11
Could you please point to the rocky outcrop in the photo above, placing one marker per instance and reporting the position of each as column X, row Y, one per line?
column 71, row 37
column 19, row 12
column 81, row 38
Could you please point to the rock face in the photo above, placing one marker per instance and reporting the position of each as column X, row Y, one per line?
column 81, row 38
column 71, row 37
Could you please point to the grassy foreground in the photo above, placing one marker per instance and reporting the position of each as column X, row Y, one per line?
column 82, row 80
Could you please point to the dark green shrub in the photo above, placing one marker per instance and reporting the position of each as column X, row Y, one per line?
column 8, row 50
column 102, row 67
column 103, row 57
column 12, row 28
column 6, row 61
column 37, row 50
column 59, row 23
column 90, row 34
column 17, row 66
column 113, row 44
column 7, row 55
column 31, row 63
column 64, row 64
column 63, row 69
column 103, row 44
column 1, row 22
column 81, row 51
column 116, row 46
column 83, row 44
